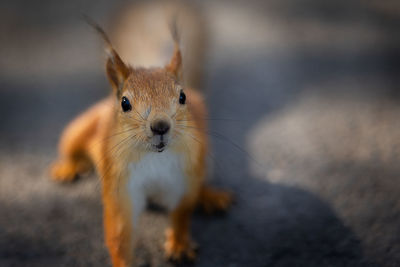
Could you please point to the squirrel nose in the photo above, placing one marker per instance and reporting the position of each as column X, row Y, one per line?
column 160, row 127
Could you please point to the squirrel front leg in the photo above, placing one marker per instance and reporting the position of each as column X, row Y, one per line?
column 178, row 244
column 118, row 231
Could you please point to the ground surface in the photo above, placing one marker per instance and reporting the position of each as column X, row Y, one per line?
column 312, row 152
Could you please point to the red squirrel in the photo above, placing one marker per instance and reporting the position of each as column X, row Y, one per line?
column 147, row 141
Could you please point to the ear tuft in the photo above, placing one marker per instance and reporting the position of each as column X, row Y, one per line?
column 117, row 71
column 175, row 64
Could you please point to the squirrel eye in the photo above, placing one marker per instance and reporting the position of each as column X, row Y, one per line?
column 125, row 104
column 182, row 98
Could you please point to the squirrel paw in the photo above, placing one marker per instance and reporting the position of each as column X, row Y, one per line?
column 179, row 250
column 63, row 172
column 213, row 200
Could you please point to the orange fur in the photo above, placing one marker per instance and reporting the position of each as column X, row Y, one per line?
column 110, row 139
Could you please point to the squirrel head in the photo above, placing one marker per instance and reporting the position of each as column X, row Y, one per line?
column 150, row 102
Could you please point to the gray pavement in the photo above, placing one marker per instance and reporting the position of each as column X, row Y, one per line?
column 304, row 100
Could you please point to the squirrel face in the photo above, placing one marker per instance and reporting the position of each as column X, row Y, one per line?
column 151, row 100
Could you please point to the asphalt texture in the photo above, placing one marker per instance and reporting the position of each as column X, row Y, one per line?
column 305, row 125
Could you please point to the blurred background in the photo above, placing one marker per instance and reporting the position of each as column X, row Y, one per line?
column 305, row 96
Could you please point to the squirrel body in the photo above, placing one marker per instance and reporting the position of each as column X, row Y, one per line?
column 147, row 140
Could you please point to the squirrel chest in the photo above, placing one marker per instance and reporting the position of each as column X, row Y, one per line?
column 159, row 177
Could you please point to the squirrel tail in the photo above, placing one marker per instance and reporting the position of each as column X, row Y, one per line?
column 147, row 34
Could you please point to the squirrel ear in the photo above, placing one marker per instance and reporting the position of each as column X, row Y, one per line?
column 175, row 65
column 117, row 71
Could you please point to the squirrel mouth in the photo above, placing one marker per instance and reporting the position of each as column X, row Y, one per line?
column 160, row 147
column 159, row 143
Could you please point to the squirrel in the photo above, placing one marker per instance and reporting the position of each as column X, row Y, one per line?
column 147, row 141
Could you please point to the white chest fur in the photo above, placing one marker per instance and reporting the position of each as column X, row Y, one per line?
column 159, row 177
